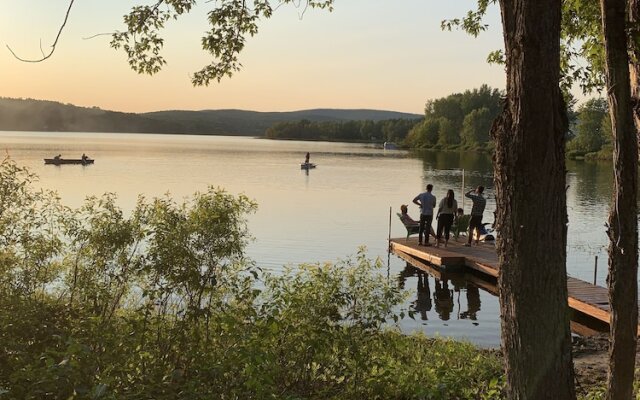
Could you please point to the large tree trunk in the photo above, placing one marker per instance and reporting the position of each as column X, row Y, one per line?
column 531, row 206
column 623, row 225
column 634, row 66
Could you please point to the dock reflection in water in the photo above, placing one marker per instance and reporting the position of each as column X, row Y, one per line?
column 456, row 297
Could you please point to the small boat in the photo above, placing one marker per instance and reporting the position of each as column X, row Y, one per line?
column 307, row 165
column 60, row 161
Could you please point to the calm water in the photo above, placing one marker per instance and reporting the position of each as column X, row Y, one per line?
column 322, row 215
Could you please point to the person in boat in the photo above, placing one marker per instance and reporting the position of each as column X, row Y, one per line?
column 306, row 158
column 445, row 214
column 408, row 221
column 57, row 157
column 479, row 203
column 427, row 203
column 84, row 157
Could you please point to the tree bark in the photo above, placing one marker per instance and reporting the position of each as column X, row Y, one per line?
column 531, row 206
column 634, row 64
column 623, row 225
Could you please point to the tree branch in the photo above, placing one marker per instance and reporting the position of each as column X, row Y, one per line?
column 53, row 46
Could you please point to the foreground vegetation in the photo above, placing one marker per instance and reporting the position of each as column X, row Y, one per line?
column 162, row 304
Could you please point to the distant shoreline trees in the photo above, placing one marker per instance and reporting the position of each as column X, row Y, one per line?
column 390, row 130
column 591, row 136
column 460, row 120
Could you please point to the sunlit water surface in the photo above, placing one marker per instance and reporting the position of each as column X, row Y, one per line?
column 322, row 215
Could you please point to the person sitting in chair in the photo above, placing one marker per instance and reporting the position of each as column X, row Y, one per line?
column 408, row 221
column 405, row 218
column 460, row 223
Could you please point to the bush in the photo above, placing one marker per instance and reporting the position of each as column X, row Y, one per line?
column 162, row 304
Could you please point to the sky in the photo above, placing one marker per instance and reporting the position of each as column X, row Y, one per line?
column 376, row 54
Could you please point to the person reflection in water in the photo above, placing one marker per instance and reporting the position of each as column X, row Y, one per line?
column 473, row 303
column 408, row 271
column 443, row 299
column 423, row 300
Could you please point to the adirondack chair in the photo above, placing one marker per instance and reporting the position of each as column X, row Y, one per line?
column 411, row 229
column 460, row 225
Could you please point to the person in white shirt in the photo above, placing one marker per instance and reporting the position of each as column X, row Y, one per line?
column 446, row 211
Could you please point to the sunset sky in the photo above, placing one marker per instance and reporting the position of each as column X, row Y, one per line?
column 381, row 54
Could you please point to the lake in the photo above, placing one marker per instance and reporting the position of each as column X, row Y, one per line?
column 324, row 214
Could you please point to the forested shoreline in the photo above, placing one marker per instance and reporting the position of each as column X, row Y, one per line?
column 460, row 121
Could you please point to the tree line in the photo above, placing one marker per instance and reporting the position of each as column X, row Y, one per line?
column 391, row 130
column 591, row 135
column 458, row 120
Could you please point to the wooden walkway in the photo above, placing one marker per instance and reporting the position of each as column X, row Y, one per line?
column 589, row 299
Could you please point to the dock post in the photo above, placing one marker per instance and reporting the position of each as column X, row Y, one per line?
column 462, row 189
column 389, row 239
column 595, row 271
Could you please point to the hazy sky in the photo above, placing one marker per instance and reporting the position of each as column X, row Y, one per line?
column 382, row 54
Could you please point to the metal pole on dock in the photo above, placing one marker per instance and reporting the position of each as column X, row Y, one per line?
column 462, row 188
column 389, row 242
column 595, row 271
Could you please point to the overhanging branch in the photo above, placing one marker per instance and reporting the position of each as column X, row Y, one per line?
column 53, row 46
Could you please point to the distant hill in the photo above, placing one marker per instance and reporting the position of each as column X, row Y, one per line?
column 254, row 123
column 41, row 115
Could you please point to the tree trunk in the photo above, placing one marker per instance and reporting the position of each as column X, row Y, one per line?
column 623, row 225
column 531, row 206
column 634, row 66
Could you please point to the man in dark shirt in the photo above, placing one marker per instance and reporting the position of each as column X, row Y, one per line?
column 479, row 203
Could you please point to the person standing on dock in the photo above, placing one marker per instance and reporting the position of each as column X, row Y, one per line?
column 446, row 210
column 479, row 202
column 427, row 203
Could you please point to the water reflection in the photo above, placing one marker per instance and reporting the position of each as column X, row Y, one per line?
column 473, row 303
column 443, row 299
column 457, row 299
column 447, row 291
column 592, row 181
column 423, row 300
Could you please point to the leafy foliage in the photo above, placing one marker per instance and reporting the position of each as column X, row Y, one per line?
column 581, row 41
column 231, row 21
column 161, row 304
column 593, row 129
column 460, row 118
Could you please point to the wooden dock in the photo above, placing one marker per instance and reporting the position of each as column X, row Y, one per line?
column 584, row 297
